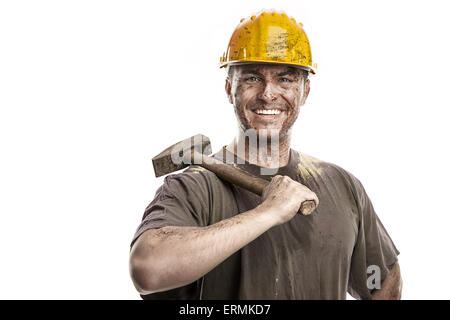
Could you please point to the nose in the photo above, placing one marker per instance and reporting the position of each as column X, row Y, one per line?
column 268, row 94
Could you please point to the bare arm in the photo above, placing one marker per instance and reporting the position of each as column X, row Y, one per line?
column 391, row 288
column 172, row 257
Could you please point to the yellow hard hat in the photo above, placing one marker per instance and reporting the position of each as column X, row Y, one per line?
column 271, row 37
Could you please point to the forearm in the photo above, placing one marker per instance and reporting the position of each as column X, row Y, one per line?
column 391, row 288
column 171, row 257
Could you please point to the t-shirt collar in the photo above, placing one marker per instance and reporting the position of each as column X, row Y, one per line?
column 289, row 170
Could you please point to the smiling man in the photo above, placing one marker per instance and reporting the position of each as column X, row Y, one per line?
column 203, row 238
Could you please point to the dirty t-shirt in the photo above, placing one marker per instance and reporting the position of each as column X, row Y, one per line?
column 319, row 256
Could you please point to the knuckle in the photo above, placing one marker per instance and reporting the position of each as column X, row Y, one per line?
column 274, row 180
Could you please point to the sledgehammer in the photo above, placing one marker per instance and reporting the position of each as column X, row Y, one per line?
column 194, row 150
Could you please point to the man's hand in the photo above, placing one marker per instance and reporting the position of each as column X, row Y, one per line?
column 283, row 197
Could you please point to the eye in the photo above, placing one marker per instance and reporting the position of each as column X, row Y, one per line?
column 286, row 80
column 252, row 79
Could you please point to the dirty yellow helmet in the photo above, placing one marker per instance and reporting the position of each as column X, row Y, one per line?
column 271, row 37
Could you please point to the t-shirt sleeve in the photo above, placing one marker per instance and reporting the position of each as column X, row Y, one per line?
column 182, row 200
column 374, row 249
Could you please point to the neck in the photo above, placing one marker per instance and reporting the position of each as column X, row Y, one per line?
column 261, row 151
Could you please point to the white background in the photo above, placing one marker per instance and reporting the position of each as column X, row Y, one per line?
column 91, row 90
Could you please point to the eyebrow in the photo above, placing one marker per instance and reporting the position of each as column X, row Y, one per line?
column 251, row 72
column 289, row 72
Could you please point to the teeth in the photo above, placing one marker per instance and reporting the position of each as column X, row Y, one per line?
column 273, row 111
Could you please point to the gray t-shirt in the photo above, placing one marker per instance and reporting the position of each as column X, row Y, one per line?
column 320, row 256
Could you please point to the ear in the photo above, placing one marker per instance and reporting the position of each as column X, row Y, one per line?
column 306, row 92
column 228, row 90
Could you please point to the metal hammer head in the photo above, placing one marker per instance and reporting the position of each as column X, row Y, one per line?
column 177, row 156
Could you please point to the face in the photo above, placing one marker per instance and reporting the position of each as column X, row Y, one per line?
column 267, row 96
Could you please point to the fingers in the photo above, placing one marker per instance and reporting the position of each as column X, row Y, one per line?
column 283, row 198
column 274, row 183
column 291, row 188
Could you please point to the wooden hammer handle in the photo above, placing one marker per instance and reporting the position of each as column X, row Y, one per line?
column 232, row 174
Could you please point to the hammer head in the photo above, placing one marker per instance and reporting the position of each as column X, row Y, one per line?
column 177, row 156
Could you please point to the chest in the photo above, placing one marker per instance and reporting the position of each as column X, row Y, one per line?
column 331, row 230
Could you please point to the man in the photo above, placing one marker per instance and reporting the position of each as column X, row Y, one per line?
column 203, row 238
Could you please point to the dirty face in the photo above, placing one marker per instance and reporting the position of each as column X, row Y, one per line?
column 267, row 96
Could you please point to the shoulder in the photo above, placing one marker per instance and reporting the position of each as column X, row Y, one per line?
column 194, row 180
column 308, row 164
column 328, row 173
column 202, row 192
column 196, row 175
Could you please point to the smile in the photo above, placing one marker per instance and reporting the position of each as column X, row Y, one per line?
column 268, row 112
